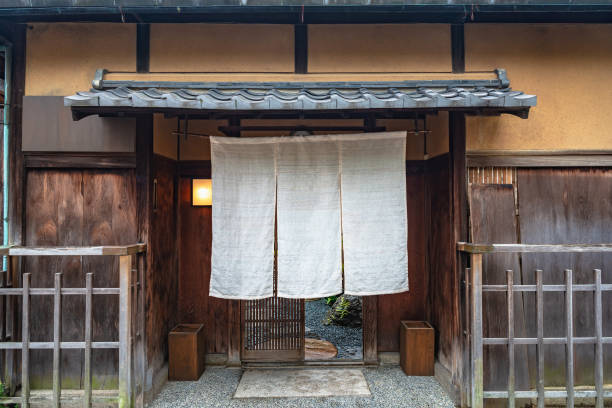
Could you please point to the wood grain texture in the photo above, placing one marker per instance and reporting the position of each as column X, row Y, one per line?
column 441, row 253
column 195, row 306
column 77, row 207
column 493, row 220
column 567, row 206
column 411, row 305
column 162, row 274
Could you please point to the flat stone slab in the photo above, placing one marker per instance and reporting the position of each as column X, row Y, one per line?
column 308, row 382
column 315, row 349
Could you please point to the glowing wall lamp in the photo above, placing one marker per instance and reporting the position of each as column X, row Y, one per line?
column 201, row 192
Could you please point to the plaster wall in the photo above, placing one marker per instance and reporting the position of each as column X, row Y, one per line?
column 566, row 66
column 61, row 58
column 221, row 48
column 379, row 48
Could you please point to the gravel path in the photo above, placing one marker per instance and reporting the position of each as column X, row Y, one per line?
column 346, row 339
column 388, row 385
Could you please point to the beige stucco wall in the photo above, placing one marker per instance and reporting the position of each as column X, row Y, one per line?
column 221, row 48
column 61, row 58
column 567, row 66
column 379, row 48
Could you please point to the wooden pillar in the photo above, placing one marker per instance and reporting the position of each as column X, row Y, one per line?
column 233, row 333
column 370, row 330
column 125, row 337
column 144, row 154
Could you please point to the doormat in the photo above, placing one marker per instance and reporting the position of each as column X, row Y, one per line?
column 308, row 382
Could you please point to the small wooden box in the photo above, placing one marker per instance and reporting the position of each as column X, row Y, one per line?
column 417, row 348
column 186, row 352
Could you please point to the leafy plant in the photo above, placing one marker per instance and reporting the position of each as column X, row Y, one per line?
column 330, row 300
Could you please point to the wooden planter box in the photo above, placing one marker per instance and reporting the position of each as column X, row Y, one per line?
column 186, row 352
column 417, row 348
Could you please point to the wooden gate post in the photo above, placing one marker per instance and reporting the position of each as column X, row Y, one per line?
column 477, row 364
column 125, row 317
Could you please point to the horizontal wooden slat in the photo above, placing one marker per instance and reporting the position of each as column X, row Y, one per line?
column 80, row 160
column 522, row 248
column 65, row 291
column 547, row 394
column 588, row 287
column 117, row 250
column 68, row 396
column 546, row 340
column 44, row 345
column 539, row 158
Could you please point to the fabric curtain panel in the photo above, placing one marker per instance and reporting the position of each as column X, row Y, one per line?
column 374, row 214
column 243, row 212
column 308, row 211
column 332, row 196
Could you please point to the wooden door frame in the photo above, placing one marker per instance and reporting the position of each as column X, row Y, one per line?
column 273, row 356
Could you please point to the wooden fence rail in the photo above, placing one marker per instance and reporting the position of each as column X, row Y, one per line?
column 474, row 275
column 123, row 396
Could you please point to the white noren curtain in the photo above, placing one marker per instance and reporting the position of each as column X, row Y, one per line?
column 374, row 214
column 244, row 198
column 309, row 251
column 335, row 195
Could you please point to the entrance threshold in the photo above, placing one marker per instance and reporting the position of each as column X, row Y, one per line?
column 307, row 364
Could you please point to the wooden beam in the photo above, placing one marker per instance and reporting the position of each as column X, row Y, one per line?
column 80, row 160
column 458, row 48
column 524, row 248
column 370, row 329
column 301, row 48
column 539, row 159
column 143, row 35
column 233, row 333
column 118, row 250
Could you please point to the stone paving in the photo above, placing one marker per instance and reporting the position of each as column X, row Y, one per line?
column 388, row 385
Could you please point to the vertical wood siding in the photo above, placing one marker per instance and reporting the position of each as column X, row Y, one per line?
column 555, row 206
column 77, row 207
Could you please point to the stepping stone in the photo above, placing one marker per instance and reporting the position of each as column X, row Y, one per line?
column 296, row 383
column 315, row 349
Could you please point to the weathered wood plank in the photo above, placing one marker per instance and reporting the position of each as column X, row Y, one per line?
column 87, row 376
column 569, row 346
column 477, row 332
column 411, row 305
column 67, row 160
column 492, row 208
column 540, row 338
column 125, row 347
column 370, row 346
column 511, row 358
column 531, row 248
column 515, row 159
column 567, row 206
column 116, row 250
column 25, row 340
column 598, row 316
column 195, row 245
column 57, row 338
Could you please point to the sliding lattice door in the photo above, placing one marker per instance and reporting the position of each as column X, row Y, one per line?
column 272, row 329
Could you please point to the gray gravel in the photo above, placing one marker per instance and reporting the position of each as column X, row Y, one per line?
column 346, row 339
column 388, row 385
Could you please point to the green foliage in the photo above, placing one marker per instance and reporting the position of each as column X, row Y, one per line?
column 329, row 301
column 5, row 393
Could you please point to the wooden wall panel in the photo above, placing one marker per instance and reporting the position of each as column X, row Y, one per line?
column 440, row 258
column 195, row 306
column 563, row 206
column 411, row 305
column 162, row 273
column 492, row 211
column 76, row 207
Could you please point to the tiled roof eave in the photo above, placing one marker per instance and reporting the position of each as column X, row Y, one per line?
column 303, row 99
